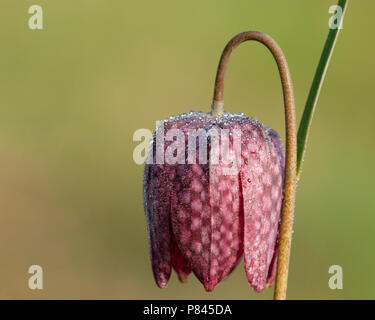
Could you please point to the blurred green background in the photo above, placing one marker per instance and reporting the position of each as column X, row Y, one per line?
column 73, row 94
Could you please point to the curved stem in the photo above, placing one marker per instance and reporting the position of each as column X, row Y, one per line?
column 287, row 213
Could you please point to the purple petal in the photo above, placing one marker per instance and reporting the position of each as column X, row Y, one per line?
column 278, row 158
column 206, row 219
column 157, row 207
column 179, row 262
column 262, row 189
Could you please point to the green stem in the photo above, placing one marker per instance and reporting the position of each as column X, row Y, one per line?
column 304, row 127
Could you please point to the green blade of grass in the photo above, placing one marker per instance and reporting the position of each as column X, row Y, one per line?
column 304, row 127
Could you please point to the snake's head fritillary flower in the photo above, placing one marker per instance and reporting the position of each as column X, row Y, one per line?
column 204, row 211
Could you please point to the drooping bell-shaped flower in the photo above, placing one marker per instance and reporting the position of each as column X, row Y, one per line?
column 205, row 212
column 213, row 188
